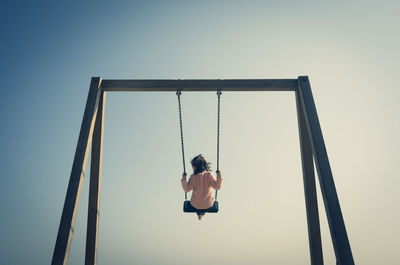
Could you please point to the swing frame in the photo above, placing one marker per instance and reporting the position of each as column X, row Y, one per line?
column 312, row 147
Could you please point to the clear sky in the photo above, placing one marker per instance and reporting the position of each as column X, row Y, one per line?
column 50, row 50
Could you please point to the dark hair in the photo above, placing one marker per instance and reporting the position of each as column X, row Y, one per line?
column 200, row 164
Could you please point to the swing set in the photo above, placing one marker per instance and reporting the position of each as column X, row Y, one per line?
column 187, row 207
column 312, row 147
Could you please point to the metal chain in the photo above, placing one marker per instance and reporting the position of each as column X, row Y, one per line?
column 178, row 93
column 219, row 92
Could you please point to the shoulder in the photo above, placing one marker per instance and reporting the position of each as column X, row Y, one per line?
column 210, row 174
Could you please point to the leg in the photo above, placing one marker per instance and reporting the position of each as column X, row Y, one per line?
column 200, row 215
column 94, row 188
column 335, row 219
column 310, row 192
column 66, row 228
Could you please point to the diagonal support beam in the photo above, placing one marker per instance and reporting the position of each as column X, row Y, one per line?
column 331, row 201
column 95, row 183
column 310, row 191
column 66, row 228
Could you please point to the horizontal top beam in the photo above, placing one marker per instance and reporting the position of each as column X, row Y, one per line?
column 199, row 84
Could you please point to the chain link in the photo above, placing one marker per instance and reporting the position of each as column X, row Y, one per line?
column 178, row 94
column 219, row 92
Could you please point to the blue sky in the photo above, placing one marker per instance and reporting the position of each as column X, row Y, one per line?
column 49, row 52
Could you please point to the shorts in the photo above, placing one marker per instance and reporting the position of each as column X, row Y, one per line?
column 194, row 209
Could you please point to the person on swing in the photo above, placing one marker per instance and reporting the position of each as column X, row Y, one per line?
column 202, row 182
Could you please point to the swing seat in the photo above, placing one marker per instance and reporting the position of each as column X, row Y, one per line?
column 188, row 208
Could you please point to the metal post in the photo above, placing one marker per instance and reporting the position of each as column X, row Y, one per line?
column 331, row 201
column 66, row 228
column 310, row 192
column 94, row 186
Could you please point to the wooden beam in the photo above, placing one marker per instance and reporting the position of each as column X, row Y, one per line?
column 66, row 228
column 201, row 85
column 310, row 137
column 94, row 186
column 331, row 201
column 310, row 192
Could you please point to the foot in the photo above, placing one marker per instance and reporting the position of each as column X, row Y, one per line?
column 201, row 216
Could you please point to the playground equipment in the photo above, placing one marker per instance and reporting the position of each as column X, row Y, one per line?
column 311, row 144
column 187, row 208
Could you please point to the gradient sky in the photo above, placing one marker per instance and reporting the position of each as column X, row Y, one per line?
column 50, row 50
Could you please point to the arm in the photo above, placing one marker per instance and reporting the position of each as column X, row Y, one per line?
column 187, row 186
column 216, row 182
